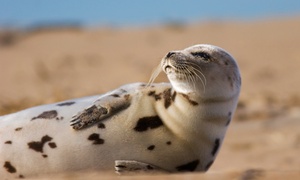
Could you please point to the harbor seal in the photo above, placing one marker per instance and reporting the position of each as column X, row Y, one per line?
column 171, row 127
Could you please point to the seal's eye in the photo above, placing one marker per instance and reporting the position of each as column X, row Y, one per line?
column 202, row 55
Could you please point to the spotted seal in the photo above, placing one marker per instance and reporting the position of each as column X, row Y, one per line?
column 171, row 127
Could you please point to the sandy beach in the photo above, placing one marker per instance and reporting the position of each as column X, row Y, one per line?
column 47, row 65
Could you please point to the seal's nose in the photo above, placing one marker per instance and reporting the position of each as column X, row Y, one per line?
column 170, row 54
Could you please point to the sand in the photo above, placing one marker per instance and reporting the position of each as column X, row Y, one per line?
column 263, row 142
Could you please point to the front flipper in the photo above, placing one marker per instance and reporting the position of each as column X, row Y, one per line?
column 102, row 108
column 88, row 117
column 127, row 167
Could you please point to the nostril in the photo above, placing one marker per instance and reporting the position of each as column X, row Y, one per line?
column 167, row 67
column 170, row 54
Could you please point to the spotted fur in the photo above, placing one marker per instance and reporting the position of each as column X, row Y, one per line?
column 192, row 102
column 66, row 103
column 21, row 176
column 9, row 167
column 47, row 115
column 191, row 166
column 38, row 146
column 146, row 123
column 156, row 96
column 228, row 118
column 150, row 148
column 216, row 147
column 8, row 142
column 101, row 126
column 167, row 97
column 169, row 127
column 96, row 139
column 52, row 145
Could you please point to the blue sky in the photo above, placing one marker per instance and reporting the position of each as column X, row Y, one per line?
column 139, row 12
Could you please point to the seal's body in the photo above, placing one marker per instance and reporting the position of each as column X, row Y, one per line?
column 175, row 127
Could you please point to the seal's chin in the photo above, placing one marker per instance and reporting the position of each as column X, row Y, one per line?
column 182, row 87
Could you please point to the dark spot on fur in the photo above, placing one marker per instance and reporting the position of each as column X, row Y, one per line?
column 21, row 176
column 101, row 126
column 59, row 118
column 168, row 98
column 156, row 96
column 228, row 118
column 216, row 147
column 115, row 95
column 151, row 93
column 174, row 96
column 120, row 166
column 10, row 168
column 194, row 103
column 191, row 166
column 208, row 165
column 168, row 142
column 228, row 122
column 45, row 155
column 46, row 115
column 18, row 129
column 96, row 138
column 149, row 167
column 230, row 81
column 150, row 148
column 146, row 123
column 8, row 142
column 143, row 85
column 52, row 145
column 66, row 104
column 39, row 145
column 226, row 63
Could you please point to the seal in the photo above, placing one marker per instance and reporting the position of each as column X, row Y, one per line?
column 156, row 127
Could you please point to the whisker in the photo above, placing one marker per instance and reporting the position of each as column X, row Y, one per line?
column 195, row 64
column 193, row 72
column 154, row 75
column 202, row 81
column 189, row 74
column 193, row 78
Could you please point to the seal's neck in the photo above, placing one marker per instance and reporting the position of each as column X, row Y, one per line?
column 197, row 121
column 192, row 116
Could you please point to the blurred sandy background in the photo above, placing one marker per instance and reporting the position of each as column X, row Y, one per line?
column 45, row 65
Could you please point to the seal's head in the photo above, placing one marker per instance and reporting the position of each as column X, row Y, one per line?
column 204, row 70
